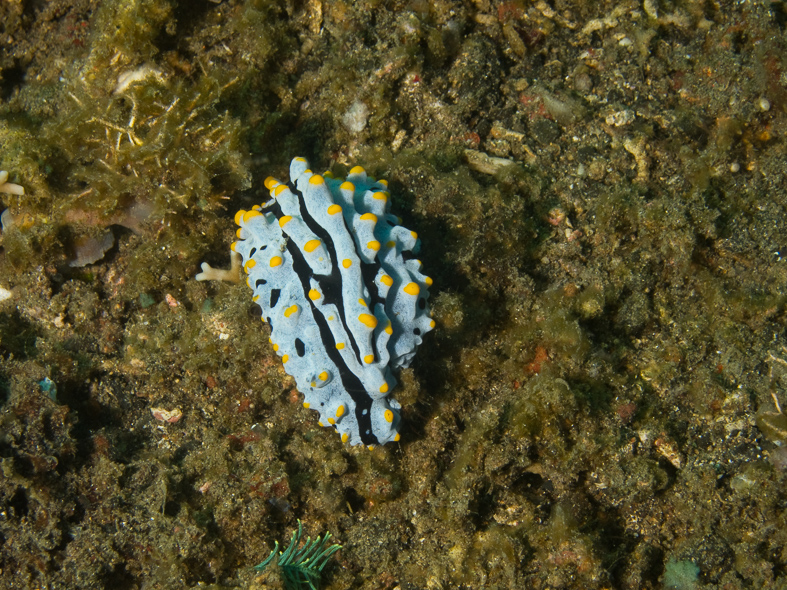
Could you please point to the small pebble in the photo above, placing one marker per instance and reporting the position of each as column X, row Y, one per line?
column 356, row 117
column 583, row 82
column 89, row 249
column 735, row 167
column 764, row 104
column 620, row 118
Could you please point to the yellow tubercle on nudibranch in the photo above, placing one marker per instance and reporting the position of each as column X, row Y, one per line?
column 412, row 289
column 311, row 245
column 249, row 215
column 368, row 320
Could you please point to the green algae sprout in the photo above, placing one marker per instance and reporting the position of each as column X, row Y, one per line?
column 301, row 565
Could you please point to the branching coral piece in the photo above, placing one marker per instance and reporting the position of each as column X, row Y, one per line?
column 217, row 274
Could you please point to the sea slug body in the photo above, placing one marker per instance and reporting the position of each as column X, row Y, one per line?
column 337, row 279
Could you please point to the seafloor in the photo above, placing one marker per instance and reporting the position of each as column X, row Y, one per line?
column 601, row 194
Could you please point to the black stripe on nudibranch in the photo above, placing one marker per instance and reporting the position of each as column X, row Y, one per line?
column 330, row 284
column 352, row 384
column 369, row 272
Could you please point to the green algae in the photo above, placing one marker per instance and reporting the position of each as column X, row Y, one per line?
column 131, row 143
column 166, row 143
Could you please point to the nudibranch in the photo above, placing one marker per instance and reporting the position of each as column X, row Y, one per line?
column 336, row 277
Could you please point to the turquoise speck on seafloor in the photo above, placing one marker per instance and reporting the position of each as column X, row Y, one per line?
column 681, row 575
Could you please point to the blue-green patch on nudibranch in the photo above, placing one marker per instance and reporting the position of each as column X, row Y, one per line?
column 337, row 279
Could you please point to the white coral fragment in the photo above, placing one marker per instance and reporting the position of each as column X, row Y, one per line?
column 139, row 74
column 9, row 187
